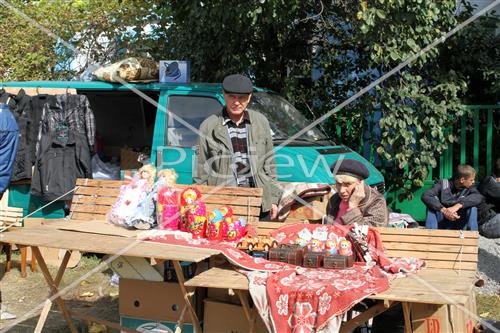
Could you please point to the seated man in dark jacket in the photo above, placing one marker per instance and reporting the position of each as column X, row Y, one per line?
column 489, row 210
column 452, row 203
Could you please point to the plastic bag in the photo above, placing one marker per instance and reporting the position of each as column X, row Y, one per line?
column 101, row 170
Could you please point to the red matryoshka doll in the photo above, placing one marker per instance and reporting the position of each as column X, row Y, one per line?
column 194, row 213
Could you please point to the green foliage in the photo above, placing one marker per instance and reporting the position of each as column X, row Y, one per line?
column 263, row 38
column 474, row 56
column 99, row 31
column 416, row 105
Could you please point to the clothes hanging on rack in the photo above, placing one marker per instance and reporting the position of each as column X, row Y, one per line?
column 63, row 157
column 71, row 111
column 37, row 103
column 21, row 108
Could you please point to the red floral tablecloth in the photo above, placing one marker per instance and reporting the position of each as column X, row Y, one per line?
column 297, row 299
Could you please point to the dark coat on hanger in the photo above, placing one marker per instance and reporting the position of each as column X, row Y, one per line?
column 60, row 161
column 20, row 106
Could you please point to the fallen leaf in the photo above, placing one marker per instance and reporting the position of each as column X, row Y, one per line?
column 97, row 328
column 113, row 294
column 484, row 314
column 84, row 283
column 87, row 294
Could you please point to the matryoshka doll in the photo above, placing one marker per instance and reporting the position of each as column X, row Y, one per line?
column 345, row 248
column 236, row 229
column 317, row 245
column 168, row 214
column 331, row 247
column 227, row 218
column 215, row 225
column 194, row 213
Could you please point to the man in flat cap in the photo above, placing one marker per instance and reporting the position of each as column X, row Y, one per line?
column 354, row 201
column 236, row 147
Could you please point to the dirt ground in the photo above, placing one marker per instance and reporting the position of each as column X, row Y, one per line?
column 25, row 297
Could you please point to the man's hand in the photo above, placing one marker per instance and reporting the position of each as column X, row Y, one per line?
column 274, row 212
column 449, row 214
column 357, row 195
column 455, row 208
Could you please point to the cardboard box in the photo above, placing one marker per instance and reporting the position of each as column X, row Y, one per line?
column 129, row 159
column 430, row 318
column 222, row 317
column 175, row 71
column 153, row 326
column 223, row 295
column 135, row 268
column 314, row 211
column 160, row 301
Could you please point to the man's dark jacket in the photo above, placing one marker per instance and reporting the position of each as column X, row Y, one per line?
column 20, row 106
column 59, row 163
column 490, row 189
column 445, row 194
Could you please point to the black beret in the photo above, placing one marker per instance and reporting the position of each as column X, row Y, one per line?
column 237, row 84
column 351, row 168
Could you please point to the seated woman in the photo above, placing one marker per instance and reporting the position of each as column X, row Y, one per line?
column 354, row 201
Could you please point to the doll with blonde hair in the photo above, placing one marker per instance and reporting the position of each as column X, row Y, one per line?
column 148, row 173
column 167, row 213
column 135, row 207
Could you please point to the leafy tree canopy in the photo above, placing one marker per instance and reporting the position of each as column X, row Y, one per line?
column 317, row 53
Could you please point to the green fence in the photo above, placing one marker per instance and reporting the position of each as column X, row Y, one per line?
column 477, row 130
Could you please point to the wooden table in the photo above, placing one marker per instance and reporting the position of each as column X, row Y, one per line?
column 429, row 286
column 106, row 244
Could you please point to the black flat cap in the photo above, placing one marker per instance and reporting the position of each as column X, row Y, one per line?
column 237, row 84
column 351, row 168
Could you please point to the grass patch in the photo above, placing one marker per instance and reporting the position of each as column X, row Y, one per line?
column 488, row 307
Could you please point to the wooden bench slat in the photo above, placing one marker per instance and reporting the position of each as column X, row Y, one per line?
column 435, row 255
column 216, row 200
column 12, row 214
column 420, row 297
column 455, row 265
column 99, row 183
column 430, row 248
column 239, row 211
column 98, row 192
column 427, row 232
column 428, row 239
column 94, row 209
column 10, row 219
column 103, row 217
column 87, row 199
column 429, row 283
column 115, row 184
column 11, row 209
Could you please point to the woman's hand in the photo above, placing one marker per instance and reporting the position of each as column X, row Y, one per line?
column 357, row 195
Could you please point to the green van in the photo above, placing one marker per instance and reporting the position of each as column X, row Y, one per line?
column 160, row 117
